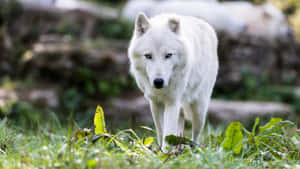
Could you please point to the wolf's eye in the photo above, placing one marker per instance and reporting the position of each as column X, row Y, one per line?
column 148, row 56
column 169, row 55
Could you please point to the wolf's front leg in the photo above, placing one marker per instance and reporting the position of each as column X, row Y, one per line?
column 199, row 111
column 157, row 110
column 171, row 123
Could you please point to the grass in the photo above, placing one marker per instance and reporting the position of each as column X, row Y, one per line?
column 50, row 144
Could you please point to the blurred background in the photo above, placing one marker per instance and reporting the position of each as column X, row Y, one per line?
column 64, row 57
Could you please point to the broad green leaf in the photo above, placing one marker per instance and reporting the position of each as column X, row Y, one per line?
column 99, row 121
column 148, row 141
column 255, row 125
column 269, row 125
column 92, row 163
column 233, row 138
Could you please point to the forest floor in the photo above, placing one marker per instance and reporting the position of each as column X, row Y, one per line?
column 53, row 144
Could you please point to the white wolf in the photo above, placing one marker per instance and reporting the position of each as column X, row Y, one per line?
column 174, row 61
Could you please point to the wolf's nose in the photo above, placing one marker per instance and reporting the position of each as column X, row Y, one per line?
column 158, row 83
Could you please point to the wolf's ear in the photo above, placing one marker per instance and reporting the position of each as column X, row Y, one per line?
column 174, row 25
column 141, row 24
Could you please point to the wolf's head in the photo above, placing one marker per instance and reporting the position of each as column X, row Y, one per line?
column 156, row 49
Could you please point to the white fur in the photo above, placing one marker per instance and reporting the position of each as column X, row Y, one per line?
column 189, row 74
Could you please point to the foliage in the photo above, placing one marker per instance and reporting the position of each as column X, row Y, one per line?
column 233, row 138
column 295, row 21
column 259, row 89
column 9, row 10
column 120, row 29
column 6, row 136
column 84, row 78
column 22, row 113
column 288, row 6
column 72, row 100
column 292, row 9
column 276, row 145
column 99, row 121
column 114, row 87
column 66, row 27
column 117, row 29
column 272, row 140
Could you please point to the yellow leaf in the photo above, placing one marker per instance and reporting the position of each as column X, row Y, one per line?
column 99, row 121
column 92, row 163
column 148, row 141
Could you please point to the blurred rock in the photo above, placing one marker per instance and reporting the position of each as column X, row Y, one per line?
column 234, row 18
column 246, row 56
column 7, row 96
column 278, row 62
column 44, row 97
column 227, row 111
column 219, row 110
column 31, row 46
column 266, row 49
column 5, row 46
column 63, row 57
column 297, row 91
column 58, row 7
column 262, row 21
column 214, row 13
column 136, row 107
column 61, row 54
